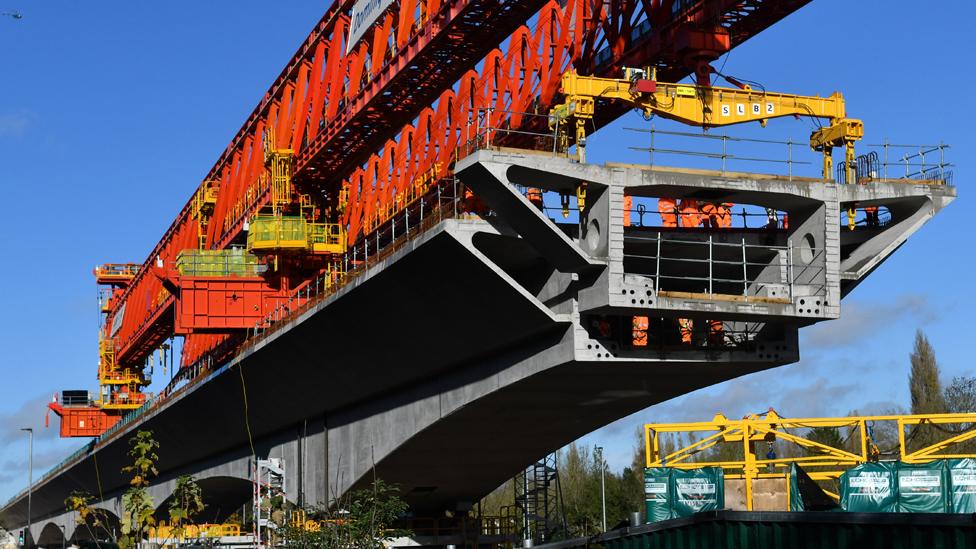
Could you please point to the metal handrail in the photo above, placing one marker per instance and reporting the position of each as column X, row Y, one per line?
column 906, row 161
column 817, row 261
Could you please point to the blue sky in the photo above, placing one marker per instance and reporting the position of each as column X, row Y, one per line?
column 112, row 112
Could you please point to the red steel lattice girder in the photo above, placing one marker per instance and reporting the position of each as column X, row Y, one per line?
column 374, row 126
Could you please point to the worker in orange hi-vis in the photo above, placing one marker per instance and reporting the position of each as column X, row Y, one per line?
column 690, row 213
column 708, row 215
column 717, row 216
column 668, row 208
column 716, row 333
column 685, row 327
column 640, row 331
column 628, row 208
column 534, row 195
column 724, row 214
column 871, row 214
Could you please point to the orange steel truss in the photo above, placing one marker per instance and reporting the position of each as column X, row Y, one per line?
column 387, row 119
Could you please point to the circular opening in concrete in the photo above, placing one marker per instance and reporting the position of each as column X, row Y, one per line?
column 593, row 234
column 807, row 247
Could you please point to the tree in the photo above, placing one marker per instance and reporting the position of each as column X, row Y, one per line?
column 497, row 509
column 926, row 390
column 362, row 520
column 371, row 514
column 186, row 503
column 580, row 482
column 828, row 436
column 960, row 395
column 137, row 504
column 632, row 477
column 923, row 381
column 495, row 503
column 92, row 518
column 960, row 398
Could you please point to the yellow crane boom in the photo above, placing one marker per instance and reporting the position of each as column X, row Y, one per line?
column 707, row 107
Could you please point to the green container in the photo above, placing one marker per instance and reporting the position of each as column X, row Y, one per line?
column 657, row 494
column 923, row 488
column 962, row 485
column 697, row 490
column 869, row 488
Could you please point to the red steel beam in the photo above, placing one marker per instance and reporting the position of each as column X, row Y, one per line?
column 348, row 116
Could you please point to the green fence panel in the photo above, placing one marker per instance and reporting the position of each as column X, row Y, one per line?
column 796, row 498
column 779, row 530
column 962, row 485
column 657, row 494
column 806, row 494
column 697, row 490
column 869, row 488
column 923, row 488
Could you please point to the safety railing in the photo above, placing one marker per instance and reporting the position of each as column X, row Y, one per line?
column 120, row 400
column 468, row 527
column 120, row 270
column 326, row 234
column 194, row 531
column 719, row 147
column 277, row 233
column 914, row 161
column 718, row 265
column 234, row 262
column 81, row 398
column 645, row 213
column 498, row 128
column 726, row 153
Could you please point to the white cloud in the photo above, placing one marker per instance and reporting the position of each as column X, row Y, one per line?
column 31, row 413
column 14, row 470
column 860, row 320
column 815, row 387
column 49, row 448
column 16, row 124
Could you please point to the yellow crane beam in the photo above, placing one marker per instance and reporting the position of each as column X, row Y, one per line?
column 706, row 107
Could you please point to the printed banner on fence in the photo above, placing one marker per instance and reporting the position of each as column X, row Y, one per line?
column 962, row 479
column 869, row 488
column 657, row 493
column 698, row 490
column 922, row 488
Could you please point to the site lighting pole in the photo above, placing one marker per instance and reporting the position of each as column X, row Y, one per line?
column 603, row 485
column 30, row 478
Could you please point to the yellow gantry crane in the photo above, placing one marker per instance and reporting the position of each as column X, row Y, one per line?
column 822, row 460
column 706, row 107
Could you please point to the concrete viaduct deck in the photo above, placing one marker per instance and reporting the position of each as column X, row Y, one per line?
column 488, row 342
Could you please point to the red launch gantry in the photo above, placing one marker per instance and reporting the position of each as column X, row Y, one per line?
column 347, row 132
